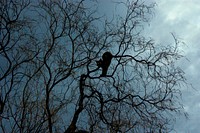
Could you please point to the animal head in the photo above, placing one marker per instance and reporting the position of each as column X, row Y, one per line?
column 99, row 63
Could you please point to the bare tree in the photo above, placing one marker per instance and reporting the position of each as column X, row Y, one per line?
column 14, row 56
column 51, row 79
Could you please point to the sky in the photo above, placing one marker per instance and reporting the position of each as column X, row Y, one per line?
column 181, row 17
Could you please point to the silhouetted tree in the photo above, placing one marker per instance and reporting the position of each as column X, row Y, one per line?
column 51, row 80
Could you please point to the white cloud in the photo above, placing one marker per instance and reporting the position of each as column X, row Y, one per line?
column 182, row 17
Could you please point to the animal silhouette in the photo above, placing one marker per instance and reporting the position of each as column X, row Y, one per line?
column 105, row 63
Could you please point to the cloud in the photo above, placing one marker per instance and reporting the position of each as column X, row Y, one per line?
column 182, row 17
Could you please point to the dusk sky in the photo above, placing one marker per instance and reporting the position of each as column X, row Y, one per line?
column 180, row 17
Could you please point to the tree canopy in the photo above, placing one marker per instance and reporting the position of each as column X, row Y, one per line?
column 50, row 78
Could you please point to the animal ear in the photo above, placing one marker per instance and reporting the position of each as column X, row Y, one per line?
column 97, row 62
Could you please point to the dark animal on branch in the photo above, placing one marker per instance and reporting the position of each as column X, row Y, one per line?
column 105, row 63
